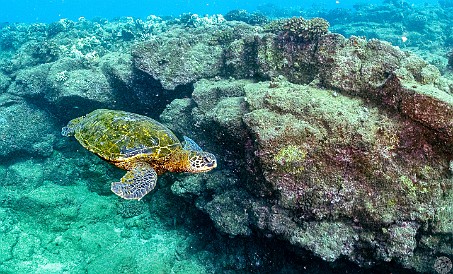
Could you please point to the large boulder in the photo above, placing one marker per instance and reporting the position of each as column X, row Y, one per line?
column 67, row 85
column 324, row 150
column 31, row 82
column 178, row 59
column 184, row 55
column 24, row 128
column 333, row 174
column 367, row 68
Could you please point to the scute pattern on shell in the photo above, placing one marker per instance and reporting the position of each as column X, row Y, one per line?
column 119, row 135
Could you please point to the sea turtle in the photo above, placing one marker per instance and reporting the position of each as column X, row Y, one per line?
column 139, row 144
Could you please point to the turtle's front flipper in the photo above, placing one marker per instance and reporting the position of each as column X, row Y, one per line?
column 137, row 182
column 190, row 144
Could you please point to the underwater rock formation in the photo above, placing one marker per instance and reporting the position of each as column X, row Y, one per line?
column 321, row 156
column 64, row 84
column 339, row 146
column 184, row 55
column 24, row 128
column 179, row 57
column 255, row 18
column 335, row 168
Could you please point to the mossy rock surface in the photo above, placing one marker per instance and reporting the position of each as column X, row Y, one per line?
column 334, row 166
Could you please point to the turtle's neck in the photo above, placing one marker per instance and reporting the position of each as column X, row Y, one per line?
column 177, row 162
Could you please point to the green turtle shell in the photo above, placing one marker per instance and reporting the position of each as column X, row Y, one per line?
column 119, row 136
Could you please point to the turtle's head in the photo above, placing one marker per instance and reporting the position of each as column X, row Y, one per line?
column 201, row 161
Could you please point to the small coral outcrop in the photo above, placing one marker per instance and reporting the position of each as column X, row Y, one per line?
column 301, row 29
column 246, row 17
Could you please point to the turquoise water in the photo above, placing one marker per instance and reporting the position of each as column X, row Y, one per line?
column 333, row 139
column 48, row 11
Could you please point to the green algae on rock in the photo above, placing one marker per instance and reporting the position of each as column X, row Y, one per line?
column 356, row 145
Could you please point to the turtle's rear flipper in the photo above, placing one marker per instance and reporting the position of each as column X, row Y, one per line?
column 137, row 182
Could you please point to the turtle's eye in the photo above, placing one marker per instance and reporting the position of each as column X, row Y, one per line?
column 206, row 161
column 209, row 161
column 203, row 162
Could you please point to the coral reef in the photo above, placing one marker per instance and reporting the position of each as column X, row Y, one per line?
column 330, row 148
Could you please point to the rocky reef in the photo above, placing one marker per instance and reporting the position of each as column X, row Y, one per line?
column 327, row 172
column 330, row 149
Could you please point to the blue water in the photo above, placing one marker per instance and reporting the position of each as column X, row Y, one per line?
column 52, row 10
